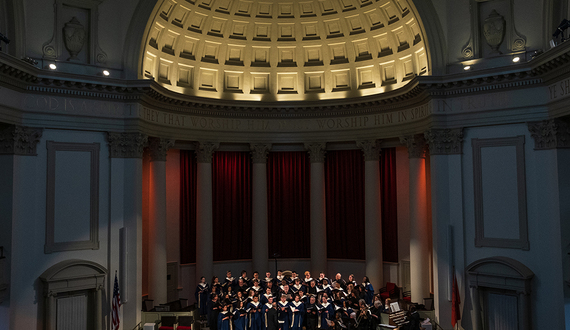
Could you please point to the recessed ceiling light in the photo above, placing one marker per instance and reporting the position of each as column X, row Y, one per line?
column 106, row 72
column 52, row 66
column 516, row 59
column 467, row 67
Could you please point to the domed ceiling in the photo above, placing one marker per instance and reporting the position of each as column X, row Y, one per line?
column 284, row 50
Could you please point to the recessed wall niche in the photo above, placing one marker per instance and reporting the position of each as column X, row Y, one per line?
column 75, row 35
column 72, row 204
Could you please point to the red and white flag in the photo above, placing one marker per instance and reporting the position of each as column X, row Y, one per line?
column 455, row 302
column 116, row 304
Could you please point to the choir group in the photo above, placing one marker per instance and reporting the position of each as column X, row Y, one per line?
column 288, row 303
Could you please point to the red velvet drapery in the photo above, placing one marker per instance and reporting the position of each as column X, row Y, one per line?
column 389, row 205
column 188, row 172
column 231, row 201
column 288, row 201
column 344, row 194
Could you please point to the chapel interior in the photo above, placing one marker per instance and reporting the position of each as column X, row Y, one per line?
column 420, row 143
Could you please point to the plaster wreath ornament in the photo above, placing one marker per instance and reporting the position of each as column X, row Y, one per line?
column 494, row 31
column 74, row 38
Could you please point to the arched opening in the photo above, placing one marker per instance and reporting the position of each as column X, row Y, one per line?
column 73, row 292
column 500, row 291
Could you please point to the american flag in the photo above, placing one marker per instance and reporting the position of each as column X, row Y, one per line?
column 116, row 304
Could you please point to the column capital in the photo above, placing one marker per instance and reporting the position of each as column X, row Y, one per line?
column 370, row 148
column 19, row 140
column 126, row 145
column 550, row 134
column 205, row 151
column 158, row 148
column 416, row 145
column 317, row 151
column 259, row 152
column 445, row 141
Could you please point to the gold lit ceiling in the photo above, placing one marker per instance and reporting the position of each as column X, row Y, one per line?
column 284, row 50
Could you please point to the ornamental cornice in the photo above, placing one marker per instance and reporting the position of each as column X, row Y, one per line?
column 17, row 74
column 445, row 141
column 550, row 134
column 205, row 151
column 126, row 145
column 259, row 152
column 19, row 140
column 158, row 148
column 370, row 148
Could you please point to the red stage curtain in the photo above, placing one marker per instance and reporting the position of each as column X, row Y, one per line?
column 231, row 190
column 288, row 198
column 344, row 193
column 187, row 206
column 389, row 205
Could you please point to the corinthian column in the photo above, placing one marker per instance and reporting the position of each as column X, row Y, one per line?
column 445, row 149
column 419, row 231
column 260, row 254
column 318, row 207
column 372, row 212
column 204, row 211
column 126, row 152
column 157, row 220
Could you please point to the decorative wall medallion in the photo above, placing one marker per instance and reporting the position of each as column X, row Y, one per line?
column 494, row 31
column 73, row 38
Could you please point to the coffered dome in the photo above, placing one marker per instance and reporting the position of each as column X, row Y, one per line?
column 296, row 50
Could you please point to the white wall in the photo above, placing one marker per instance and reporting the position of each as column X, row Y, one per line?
column 543, row 257
column 29, row 224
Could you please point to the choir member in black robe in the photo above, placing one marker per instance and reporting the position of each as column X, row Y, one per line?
column 325, row 287
column 201, row 295
column 240, row 297
column 376, row 314
column 229, row 281
column 297, row 286
column 414, row 320
column 297, row 313
column 363, row 316
column 255, row 278
column 213, row 311
column 267, row 280
column 216, row 285
column 293, row 277
column 339, row 322
column 274, row 288
column 280, row 277
column 244, row 277
column 265, row 297
column 312, row 313
column 353, row 301
column 272, row 318
column 284, row 313
column 241, row 286
column 307, row 278
column 326, row 312
column 254, row 309
column 321, row 278
column 312, row 289
column 338, row 279
column 351, row 280
column 368, row 290
column 255, row 287
column 286, row 292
